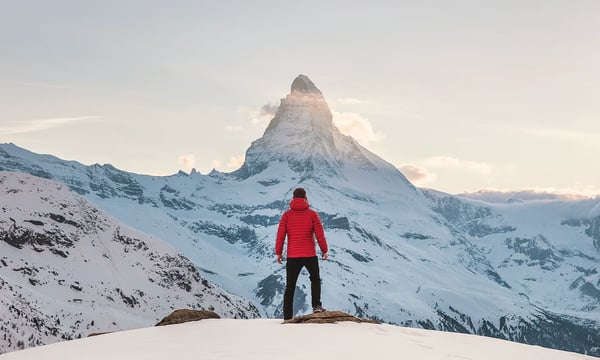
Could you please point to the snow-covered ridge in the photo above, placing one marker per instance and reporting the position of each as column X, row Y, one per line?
column 269, row 339
column 68, row 270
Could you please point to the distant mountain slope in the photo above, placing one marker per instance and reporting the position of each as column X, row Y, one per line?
column 521, row 271
column 68, row 270
column 508, row 197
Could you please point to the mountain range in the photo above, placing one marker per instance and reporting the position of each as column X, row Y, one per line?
column 521, row 270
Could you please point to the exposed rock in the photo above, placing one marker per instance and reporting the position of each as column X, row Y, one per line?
column 303, row 84
column 99, row 333
column 327, row 317
column 185, row 315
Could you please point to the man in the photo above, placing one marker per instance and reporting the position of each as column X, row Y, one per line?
column 301, row 224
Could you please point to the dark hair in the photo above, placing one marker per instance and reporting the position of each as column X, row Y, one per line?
column 300, row 193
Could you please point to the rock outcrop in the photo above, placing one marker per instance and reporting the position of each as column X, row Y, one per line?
column 327, row 317
column 185, row 315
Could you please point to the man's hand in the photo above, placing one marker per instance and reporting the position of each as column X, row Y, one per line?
column 325, row 256
column 279, row 259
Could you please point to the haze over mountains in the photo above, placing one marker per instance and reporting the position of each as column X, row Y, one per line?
column 524, row 271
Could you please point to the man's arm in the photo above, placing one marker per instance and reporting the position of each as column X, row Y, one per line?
column 320, row 234
column 281, row 232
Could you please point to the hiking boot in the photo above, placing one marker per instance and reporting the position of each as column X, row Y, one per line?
column 318, row 309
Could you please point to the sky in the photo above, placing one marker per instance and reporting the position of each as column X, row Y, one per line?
column 266, row 339
column 460, row 95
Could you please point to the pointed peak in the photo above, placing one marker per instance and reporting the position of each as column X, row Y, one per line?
column 303, row 84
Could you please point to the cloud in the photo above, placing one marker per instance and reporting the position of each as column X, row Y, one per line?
column 356, row 126
column 187, row 161
column 352, row 101
column 264, row 115
column 348, row 123
column 560, row 134
column 576, row 192
column 235, row 162
column 591, row 138
column 418, row 175
column 234, row 128
column 27, row 126
column 428, row 170
column 450, row 162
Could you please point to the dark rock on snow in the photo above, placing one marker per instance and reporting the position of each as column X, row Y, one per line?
column 327, row 317
column 185, row 315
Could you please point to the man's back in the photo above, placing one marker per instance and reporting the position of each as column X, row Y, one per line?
column 299, row 224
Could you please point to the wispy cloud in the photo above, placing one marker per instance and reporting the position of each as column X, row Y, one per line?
column 575, row 192
column 235, row 162
column 264, row 115
column 215, row 164
column 560, row 133
column 418, row 175
column 358, row 127
column 576, row 136
column 428, row 171
column 349, row 123
column 352, row 101
column 27, row 126
column 188, row 161
column 451, row 162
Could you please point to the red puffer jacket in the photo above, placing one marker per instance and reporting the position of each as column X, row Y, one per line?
column 299, row 224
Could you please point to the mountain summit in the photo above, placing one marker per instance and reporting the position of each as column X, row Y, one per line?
column 303, row 136
column 303, row 84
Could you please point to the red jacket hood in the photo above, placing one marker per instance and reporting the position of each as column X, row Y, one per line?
column 298, row 204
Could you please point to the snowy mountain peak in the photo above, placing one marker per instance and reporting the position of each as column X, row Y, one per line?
column 302, row 136
column 303, row 113
column 303, row 84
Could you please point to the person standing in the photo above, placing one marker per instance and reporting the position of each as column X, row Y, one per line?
column 301, row 225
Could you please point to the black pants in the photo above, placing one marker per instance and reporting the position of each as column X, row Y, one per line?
column 293, row 267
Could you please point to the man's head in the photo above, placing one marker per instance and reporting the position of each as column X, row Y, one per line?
column 300, row 193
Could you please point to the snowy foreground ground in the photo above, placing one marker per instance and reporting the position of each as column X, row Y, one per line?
column 270, row 339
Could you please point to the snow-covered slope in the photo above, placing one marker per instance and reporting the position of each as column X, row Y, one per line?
column 269, row 339
column 548, row 251
column 68, row 270
column 526, row 272
column 491, row 196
